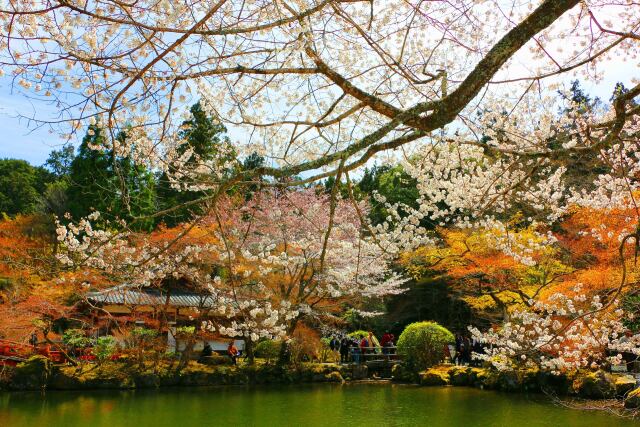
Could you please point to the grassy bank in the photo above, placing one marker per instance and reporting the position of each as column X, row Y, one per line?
column 38, row 373
column 583, row 384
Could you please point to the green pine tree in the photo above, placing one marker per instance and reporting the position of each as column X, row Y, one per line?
column 204, row 135
column 115, row 187
column 21, row 186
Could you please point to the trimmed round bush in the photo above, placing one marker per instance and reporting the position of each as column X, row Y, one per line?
column 268, row 349
column 422, row 344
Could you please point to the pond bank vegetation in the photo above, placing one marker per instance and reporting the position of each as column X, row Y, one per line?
column 39, row 374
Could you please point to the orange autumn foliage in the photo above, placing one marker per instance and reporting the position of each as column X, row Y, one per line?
column 19, row 319
column 485, row 276
column 592, row 238
column 593, row 234
column 30, row 291
column 586, row 253
column 21, row 255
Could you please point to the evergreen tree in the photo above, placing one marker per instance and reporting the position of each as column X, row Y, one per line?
column 117, row 188
column 92, row 186
column 140, row 195
column 21, row 186
column 253, row 161
column 582, row 166
column 391, row 182
column 54, row 196
column 204, row 136
column 59, row 161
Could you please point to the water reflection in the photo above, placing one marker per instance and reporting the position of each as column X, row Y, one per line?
column 313, row 405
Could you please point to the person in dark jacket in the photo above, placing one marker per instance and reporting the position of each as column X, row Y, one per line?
column 207, row 351
column 466, row 351
column 345, row 345
column 34, row 339
column 355, row 350
column 459, row 348
column 476, row 346
column 387, row 341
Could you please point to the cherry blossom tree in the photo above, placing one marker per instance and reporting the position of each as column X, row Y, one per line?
column 465, row 92
column 266, row 263
column 314, row 84
column 564, row 333
column 305, row 249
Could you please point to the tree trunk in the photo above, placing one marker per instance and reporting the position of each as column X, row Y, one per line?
column 248, row 348
column 185, row 356
column 502, row 306
column 284, row 357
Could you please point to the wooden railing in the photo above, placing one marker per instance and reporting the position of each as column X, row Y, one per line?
column 371, row 354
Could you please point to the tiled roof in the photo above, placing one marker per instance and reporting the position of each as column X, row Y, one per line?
column 130, row 295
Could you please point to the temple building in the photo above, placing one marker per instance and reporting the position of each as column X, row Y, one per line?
column 164, row 309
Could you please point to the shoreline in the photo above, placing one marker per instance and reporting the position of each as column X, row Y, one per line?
column 39, row 374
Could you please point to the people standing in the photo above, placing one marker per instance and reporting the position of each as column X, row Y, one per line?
column 355, row 350
column 233, row 352
column 476, row 346
column 34, row 339
column 458, row 355
column 345, row 343
column 207, row 351
column 466, row 350
column 364, row 348
column 334, row 346
column 374, row 344
column 388, row 341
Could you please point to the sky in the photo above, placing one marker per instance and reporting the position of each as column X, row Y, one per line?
column 20, row 139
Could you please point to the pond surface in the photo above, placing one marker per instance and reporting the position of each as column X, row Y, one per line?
column 308, row 405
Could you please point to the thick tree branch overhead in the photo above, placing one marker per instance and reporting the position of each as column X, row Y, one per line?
column 493, row 142
column 305, row 84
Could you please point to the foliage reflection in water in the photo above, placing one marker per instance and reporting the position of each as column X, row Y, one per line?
column 317, row 405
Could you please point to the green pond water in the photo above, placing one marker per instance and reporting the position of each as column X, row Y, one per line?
column 312, row 405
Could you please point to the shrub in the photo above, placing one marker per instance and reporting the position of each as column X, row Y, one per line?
column 422, row 344
column 141, row 340
column 305, row 345
column 104, row 348
column 268, row 349
column 32, row 374
column 435, row 377
column 215, row 360
column 139, row 334
column 326, row 355
column 185, row 332
column 633, row 399
column 75, row 338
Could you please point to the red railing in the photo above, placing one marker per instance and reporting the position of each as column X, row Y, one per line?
column 12, row 353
